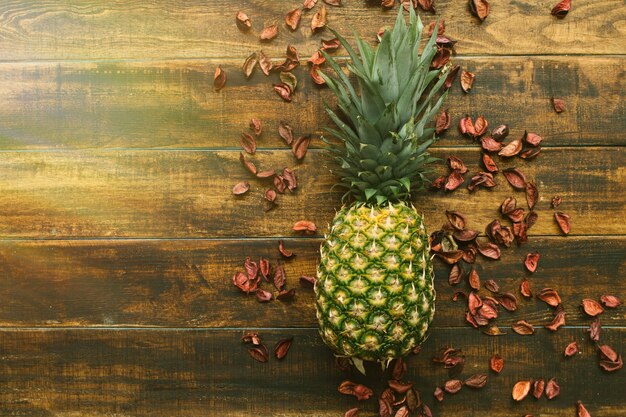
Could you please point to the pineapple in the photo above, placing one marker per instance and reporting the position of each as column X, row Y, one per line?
column 374, row 291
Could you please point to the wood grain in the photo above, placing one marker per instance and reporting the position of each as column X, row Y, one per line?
column 188, row 282
column 208, row 372
column 172, row 104
column 139, row 29
column 187, row 194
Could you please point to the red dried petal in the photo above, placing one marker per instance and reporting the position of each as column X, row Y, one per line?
column 490, row 144
column 284, row 91
column 441, row 58
column 319, row 19
column 317, row 79
column 279, row 277
column 282, row 347
column 453, row 386
column 330, row 44
column 292, row 18
column 264, row 268
column 219, row 78
column 286, row 295
column 496, row 363
column 450, row 257
column 558, row 320
column 610, row 301
column 484, row 179
column 552, row 389
column 476, row 381
column 581, row 410
column 595, row 329
column 516, row 215
column 558, row 104
column 290, row 178
column 474, row 279
column 538, row 388
column 443, row 122
column 455, row 162
column 532, row 259
column 300, row 146
column 251, row 337
column 489, row 163
column 465, row 235
column 521, row 390
column 507, row 300
column 304, row 279
column 244, row 283
column 269, row 32
column 353, row 412
column 284, row 130
column 571, row 349
column 427, row 5
column 561, row 9
column 480, row 125
column 480, row 8
column 241, row 188
column 243, row 21
column 515, row 177
column 263, row 296
column 474, row 302
column 456, row 219
column 489, row 250
column 265, row 63
column 248, row 143
column 525, row 288
column 512, row 148
column 592, row 307
column 308, row 4
column 270, row 195
column 399, row 369
column 259, row 353
column 532, row 139
column 317, row 58
column 451, row 76
column 549, row 296
column 304, row 226
column 454, row 180
column 399, row 386
column 455, row 275
column 523, row 327
column 285, row 252
column 467, row 80
column 466, row 126
column 532, row 194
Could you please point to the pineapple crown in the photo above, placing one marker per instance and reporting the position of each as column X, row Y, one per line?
column 382, row 151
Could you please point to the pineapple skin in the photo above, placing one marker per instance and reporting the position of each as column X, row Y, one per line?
column 375, row 295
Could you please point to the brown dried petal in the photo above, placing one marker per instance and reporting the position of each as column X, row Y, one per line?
column 467, row 80
column 516, row 215
column 523, row 327
column 387, row 4
column 399, row 369
column 319, row 19
column 538, row 388
column 484, row 179
column 552, row 389
column 219, row 78
column 515, row 177
column 474, row 302
column 315, row 76
column 455, row 162
column 532, row 139
column 286, row 295
column 241, row 188
column 531, row 219
column 399, row 386
column 531, row 261
column 507, row 300
column 289, row 79
column 558, row 320
column 333, row 2
column 453, row 386
column 592, row 307
column 456, row 219
column 496, row 363
column 330, row 44
column 480, row 126
column 466, row 126
column 249, row 64
column 476, row 381
column 441, row 58
column 279, row 277
column 259, row 353
column 353, row 412
column 455, row 275
column 300, row 146
column 264, row 62
column 549, row 296
column 308, row 4
column 581, row 410
column 269, row 32
column 251, row 337
column 571, row 349
column 606, row 352
column 500, row 132
column 563, row 220
column 263, row 296
column 474, row 279
column 512, row 148
column 521, row 390
column 561, row 9
column 402, row 412
column 595, row 329
column 454, row 180
column 384, row 407
column 479, row 8
column 530, row 153
column 304, row 279
column 285, row 252
column 292, row 18
column 284, row 91
column 489, row 250
column 508, row 205
column 450, row 257
column 243, row 21
column 443, row 122
column 248, row 143
column 610, row 301
column 282, row 347
column 490, row 144
column 532, row 194
column 264, row 268
column 611, row 366
column 558, row 104
column 244, row 283
column 465, row 235
column 270, row 195
column 284, row 130
column 525, row 288
column 304, row 226
column 290, row 178
column 427, row 5
column 451, row 76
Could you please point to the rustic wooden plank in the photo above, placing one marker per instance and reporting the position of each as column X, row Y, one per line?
column 192, row 373
column 171, row 104
column 188, row 282
column 142, row 29
column 187, row 194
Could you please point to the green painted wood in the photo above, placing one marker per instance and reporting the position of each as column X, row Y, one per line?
column 189, row 282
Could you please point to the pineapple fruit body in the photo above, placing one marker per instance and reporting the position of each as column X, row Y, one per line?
column 374, row 291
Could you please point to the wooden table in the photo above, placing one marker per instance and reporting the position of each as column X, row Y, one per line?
column 120, row 234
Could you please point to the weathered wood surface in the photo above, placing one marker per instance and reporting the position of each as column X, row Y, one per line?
column 172, row 104
column 208, row 372
column 188, row 194
column 188, row 282
column 137, row 29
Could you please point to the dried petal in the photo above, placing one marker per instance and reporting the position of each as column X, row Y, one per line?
column 353, row 412
column 251, row 337
column 500, row 132
column 427, row 5
column 453, row 386
column 525, row 288
column 515, row 177
column 443, row 122
column 492, row 286
column 476, row 381
column 450, row 257
column 387, row 4
column 531, row 219
column 284, row 91
column 330, row 44
column 243, row 21
column 456, row 219
column 508, row 205
column 474, row 302
column 467, row 80
column 241, row 188
column 496, row 363
column 611, row 366
column 264, row 268
column 581, row 410
column 289, row 79
column 549, row 296
column 594, row 330
column 285, row 252
column 284, row 130
column 523, row 327
column 592, row 307
column 480, row 126
column 507, row 300
column 538, row 388
column 532, row 139
column 512, row 148
column 304, row 279
column 249, row 64
column 292, row 18
column 479, row 8
column 571, row 349
column 259, row 353
column 561, row 9
column 263, row 296
column 465, row 235
column 454, row 180
column 319, row 19
column 304, row 226
column 290, row 178
column 333, row 2
column 279, row 277
column 606, row 352
column 451, row 76
column 300, row 146
column 556, row 201
column 532, row 194
column 399, row 386
column 270, row 195
column 610, row 301
column 413, row 399
column 563, row 220
column 489, row 250
column 474, row 279
column 531, row 261
column 558, row 320
column 308, row 4
column 265, row 63
column 558, row 104
column 269, row 32
column 399, row 369
column 248, row 143
column 315, row 76
column 552, row 389
column 384, row 407
column 466, row 126
column 244, row 283
column 484, row 179
column 282, row 347
column 455, row 275
column 490, row 144
column 521, row 390
column 219, row 78
column 530, row 153
column 286, row 295
column 441, row 58
column 402, row 412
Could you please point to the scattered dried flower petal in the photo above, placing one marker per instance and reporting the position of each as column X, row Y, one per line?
column 443, row 122
column 282, row 347
column 476, row 381
column 538, row 388
column 243, row 21
column 451, row 76
column 571, row 349
column 561, row 9
column 292, row 18
column 549, row 296
column 249, row 64
column 591, row 307
column 479, row 8
column 496, row 363
column 521, row 390
column 219, row 78
column 531, row 261
column 595, row 329
column 512, row 148
column 264, row 62
column 581, row 410
column 263, row 296
column 525, row 288
column 319, row 19
column 454, row 180
column 467, row 80
column 269, row 32
column 300, row 146
column 259, row 353
column 563, row 220
column 284, row 91
column 558, row 104
column 610, row 301
column 552, row 389
column 489, row 250
column 523, row 327
column 558, row 320
column 241, row 188
column 453, row 386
